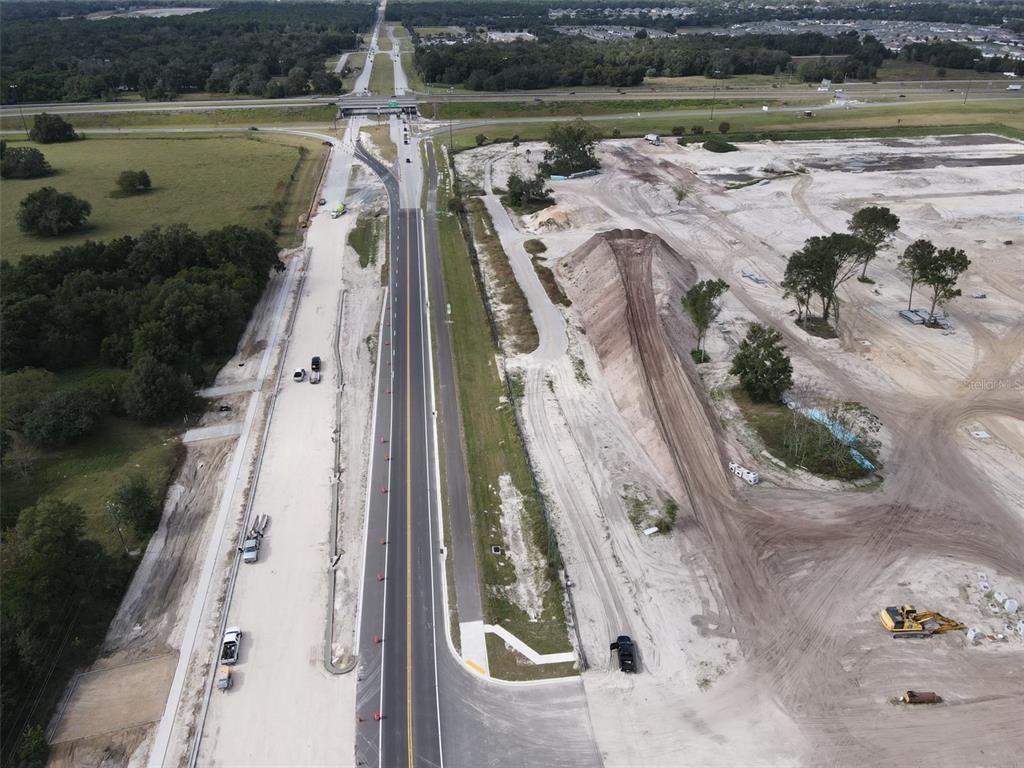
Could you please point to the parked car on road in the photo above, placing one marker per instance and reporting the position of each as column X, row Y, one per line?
column 224, row 681
column 230, row 646
column 314, row 364
column 299, row 375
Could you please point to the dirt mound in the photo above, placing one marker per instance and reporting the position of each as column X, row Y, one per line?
column 597, row 279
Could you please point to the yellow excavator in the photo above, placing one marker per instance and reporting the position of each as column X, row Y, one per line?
column 907, row 621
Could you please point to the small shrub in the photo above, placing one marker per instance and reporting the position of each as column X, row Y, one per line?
column 133, row 182
column 717, row 144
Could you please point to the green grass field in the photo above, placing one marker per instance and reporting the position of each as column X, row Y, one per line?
column 365, row 237
column 471, row 110
column 922, row 119
column 212, row 118
column 355, row 63
column 205, row 182
column 428, row 31
column 493, row 447
column 382, row 76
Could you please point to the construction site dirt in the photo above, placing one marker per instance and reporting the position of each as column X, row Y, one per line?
column 756, row 619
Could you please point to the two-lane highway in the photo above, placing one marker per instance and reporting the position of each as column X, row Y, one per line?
column 398, row 671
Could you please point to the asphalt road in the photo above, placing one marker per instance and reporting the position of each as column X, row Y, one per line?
column 403, row 667
column 433, row 707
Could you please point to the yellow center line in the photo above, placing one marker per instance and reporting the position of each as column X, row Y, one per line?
column 408, row 505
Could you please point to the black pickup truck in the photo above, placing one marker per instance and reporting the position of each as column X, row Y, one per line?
column 627, row 653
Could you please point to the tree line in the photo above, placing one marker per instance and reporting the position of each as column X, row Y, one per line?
column 253, row 48
column 166, row 306
column 579, row 62
column 536, row 16
column 950, row 55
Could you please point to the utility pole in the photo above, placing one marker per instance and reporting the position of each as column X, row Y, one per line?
column 451, row 148
column 714, row 97
column 21, row 110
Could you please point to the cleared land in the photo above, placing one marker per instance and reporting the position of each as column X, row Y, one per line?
column 756, row 619
column 205, row 182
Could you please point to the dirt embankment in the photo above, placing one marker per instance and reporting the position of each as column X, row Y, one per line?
column 607, row 275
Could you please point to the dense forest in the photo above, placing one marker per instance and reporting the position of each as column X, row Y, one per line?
column 263, row 49
column 169, row 295
column 578, row 62
column 535, row 16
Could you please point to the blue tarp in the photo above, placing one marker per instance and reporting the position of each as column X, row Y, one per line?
column 836, row 429
column 841, row 433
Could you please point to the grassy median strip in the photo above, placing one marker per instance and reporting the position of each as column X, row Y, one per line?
column 494, row 450
column 515, row 323
column 471, row 110
column 382, row 76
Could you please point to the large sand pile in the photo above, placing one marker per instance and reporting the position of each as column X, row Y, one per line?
column 594, row 279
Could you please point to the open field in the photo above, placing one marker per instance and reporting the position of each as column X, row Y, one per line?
column 899, row 120
column 895, row 70
column 467, row 110
column 356, row 62
column 212, row 118
column 205, row 182
column 382, row 77
column 497, row 465
column 88, row 473
column 756, row 619
column 428, row 31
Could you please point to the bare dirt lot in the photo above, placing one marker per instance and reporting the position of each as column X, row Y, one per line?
column 756, row 619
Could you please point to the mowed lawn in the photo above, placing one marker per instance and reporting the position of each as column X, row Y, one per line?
column 205, row 182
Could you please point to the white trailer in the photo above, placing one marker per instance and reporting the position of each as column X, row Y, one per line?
column 751, row 478
column 653, row 138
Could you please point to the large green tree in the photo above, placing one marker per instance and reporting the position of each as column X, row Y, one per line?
column 876, row 226
column 701, row 303
column 762, row 365
column 51, row 129
column 941, row 272
column 24, row 163
column 824, row 264
column 22, row 392
column 155, row 391
column 135, row 505
column 48, row 212
column 914, row 261
column 64, row 417
column 570, row 149
column 526, row 191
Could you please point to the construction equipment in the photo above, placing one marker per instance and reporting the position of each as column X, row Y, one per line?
column 907, row 621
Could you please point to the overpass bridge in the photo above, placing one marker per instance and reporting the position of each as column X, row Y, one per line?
column 353, row 104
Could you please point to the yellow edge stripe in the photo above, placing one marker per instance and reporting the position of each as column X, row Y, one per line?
column 473, row 665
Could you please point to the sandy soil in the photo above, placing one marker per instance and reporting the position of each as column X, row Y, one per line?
column 756, row 618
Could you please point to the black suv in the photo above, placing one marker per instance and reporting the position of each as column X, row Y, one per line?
column 315, row 363
column 627, row 653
